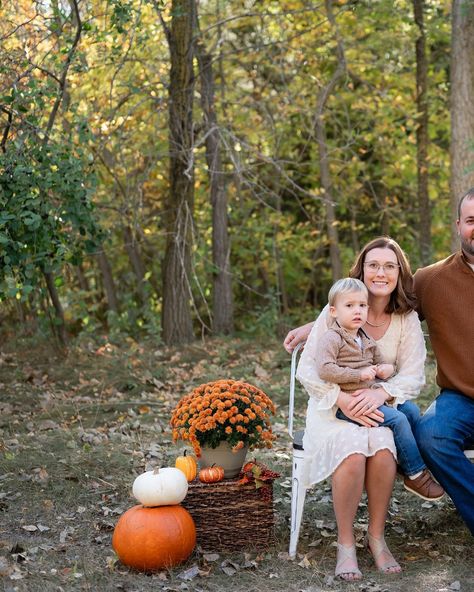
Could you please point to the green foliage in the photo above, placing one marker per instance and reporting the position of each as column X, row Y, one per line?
column 271, row 61
column 46, row 217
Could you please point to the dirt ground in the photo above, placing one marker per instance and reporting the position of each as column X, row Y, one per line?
column 75, row 430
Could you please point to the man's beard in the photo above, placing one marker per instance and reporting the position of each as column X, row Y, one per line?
column 467, row 245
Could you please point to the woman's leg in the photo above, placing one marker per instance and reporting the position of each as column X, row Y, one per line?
column 379, row 479
column 347, row 487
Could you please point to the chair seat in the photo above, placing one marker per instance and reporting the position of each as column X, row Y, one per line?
column 298, row 440
column 470, row 454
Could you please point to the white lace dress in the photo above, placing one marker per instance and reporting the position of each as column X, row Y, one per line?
column 328, row 440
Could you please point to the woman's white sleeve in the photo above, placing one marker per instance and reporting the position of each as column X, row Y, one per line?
column 410, row 372
column 324, row 393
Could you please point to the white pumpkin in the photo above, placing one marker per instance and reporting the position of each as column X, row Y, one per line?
column 161, row 487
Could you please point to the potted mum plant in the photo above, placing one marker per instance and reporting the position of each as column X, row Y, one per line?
column 222, row 420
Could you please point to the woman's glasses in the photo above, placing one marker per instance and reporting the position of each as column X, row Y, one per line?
column 388, row 268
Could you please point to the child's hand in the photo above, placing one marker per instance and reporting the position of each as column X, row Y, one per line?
column 384, row 371
column 368, row 373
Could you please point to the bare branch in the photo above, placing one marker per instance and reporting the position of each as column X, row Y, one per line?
column 62, row 82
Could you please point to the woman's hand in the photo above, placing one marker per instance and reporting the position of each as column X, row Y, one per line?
column 369, row 419
column 366, row 401
column 296, row 336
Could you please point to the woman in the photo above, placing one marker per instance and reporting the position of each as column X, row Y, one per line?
column 363, row 457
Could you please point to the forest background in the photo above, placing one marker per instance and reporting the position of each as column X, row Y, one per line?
column 184, row 168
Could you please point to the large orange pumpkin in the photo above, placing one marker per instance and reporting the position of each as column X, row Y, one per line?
column 149, row 539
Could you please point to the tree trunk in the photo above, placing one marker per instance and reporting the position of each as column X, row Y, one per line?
column 133, row 252
column 422, row 139
column 222, row 300
column 462, row 105
column 176, row 313
column 324, row 169
column 60, row 327
column 282, row 293
column 81, row 278
column 107, row 278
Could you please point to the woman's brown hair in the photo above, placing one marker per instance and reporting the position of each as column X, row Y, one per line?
column 403, row 298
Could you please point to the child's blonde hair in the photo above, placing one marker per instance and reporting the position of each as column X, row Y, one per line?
column 345, row 286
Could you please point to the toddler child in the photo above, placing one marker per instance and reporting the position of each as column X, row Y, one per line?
column 347, row 356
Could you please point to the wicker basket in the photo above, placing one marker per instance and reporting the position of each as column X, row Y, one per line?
column 230, row 516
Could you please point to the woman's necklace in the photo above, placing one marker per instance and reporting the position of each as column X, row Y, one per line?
column 374, row 325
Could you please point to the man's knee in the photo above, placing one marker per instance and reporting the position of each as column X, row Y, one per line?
column 424, row 433
column 436, row 438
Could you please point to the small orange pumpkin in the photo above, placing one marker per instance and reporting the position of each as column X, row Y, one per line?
column 188, row 465
column 248, row 466
column 149, row 539
column 212, row 474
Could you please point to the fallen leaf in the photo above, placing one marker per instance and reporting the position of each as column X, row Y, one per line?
column 261, row 372
column 47, row 424
column 230, row 567
column 190, row 573
column 65, row 533
column 5, row 567
column 43, row 528
column 41, row 475
column 30, row 528
column 305, row 562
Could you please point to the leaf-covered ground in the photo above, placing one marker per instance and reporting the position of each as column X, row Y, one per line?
column 76, row 430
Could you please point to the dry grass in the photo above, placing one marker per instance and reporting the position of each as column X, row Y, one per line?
column 75, row 430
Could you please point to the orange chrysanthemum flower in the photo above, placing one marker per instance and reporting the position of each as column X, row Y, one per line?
column 224, row 410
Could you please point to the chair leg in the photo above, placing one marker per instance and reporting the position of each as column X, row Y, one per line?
column 298, row 494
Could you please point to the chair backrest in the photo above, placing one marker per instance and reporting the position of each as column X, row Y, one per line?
column 291, row 406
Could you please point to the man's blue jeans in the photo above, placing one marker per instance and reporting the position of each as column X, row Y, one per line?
column 401, row 421
column 444, row 431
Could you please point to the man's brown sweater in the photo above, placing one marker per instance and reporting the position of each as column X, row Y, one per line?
column 445, row 292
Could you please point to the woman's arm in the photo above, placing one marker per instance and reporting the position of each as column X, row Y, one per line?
column 410, row 376
column 296, row 336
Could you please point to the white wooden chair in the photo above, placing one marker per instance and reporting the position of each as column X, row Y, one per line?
column 298, row 484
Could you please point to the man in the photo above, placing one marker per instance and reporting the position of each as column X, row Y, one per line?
column 445, row 292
